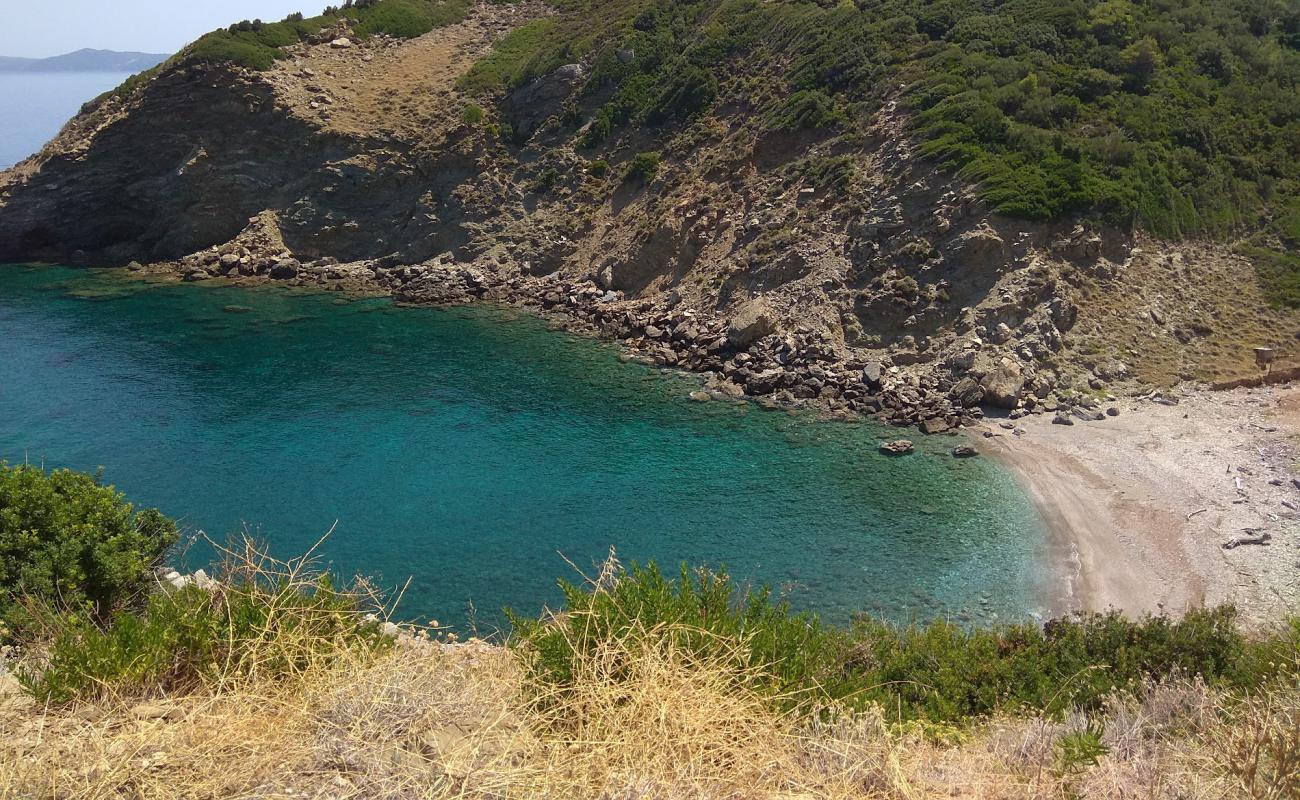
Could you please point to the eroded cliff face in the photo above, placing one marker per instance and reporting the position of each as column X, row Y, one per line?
column 787, row 264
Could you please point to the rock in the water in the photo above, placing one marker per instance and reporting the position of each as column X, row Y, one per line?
column 1002, row 386
column 898, row 448
column 964, row 451
column 701, row 397
column 750, row 323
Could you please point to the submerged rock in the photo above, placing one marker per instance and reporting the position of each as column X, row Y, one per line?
column 900, row 447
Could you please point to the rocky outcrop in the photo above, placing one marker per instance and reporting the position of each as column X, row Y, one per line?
column 1003, row 386
column 531, row 104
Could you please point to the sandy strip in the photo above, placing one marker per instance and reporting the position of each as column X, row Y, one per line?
column 1139, row 505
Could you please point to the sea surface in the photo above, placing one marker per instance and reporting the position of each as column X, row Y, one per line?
column 35, row 105
column 478, row 453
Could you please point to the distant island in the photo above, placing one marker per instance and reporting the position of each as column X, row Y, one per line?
column 84, row 60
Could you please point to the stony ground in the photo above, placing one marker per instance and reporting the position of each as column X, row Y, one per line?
column 1186, row 498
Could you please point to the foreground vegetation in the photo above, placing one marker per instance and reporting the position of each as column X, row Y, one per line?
column 66, row 538
column 270, row 680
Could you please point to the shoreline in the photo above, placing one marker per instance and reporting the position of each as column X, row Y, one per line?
column 1138, row 507
column 1113, row 495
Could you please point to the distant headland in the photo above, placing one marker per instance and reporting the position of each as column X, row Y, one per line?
column 84, row 60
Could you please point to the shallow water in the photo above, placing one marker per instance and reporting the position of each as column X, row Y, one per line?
column 472, row 448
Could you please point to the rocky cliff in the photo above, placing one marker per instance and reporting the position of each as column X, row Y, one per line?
column 849, row 271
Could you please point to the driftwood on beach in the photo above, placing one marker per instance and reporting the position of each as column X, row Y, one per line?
column 1259, row 537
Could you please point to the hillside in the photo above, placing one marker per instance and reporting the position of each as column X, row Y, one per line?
column 84, row 60
column 910, row 208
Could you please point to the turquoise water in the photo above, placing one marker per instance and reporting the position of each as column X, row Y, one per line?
column 470, row 448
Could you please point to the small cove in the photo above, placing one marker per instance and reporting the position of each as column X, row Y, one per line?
column 474, row 450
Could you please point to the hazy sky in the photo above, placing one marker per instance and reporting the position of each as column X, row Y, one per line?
column 38, row 28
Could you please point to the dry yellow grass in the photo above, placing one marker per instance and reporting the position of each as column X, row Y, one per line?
column 431, row 720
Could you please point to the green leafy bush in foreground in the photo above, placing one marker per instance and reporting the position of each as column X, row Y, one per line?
column 937, row 672
column 254, row 623
column 70, row 542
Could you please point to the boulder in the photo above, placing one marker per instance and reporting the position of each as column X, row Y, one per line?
column 1062, row 419
column 1003, row 385
column 341, row 43
column 285, row 269
column 900, row 447
column 751, row 322
column 934, row 425
column 967, row 393
column 871, row 374
column 964, row 451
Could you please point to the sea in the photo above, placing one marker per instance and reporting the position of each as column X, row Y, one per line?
column 35, row 105
column 469, row 458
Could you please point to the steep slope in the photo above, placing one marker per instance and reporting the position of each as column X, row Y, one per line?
column 731, row 187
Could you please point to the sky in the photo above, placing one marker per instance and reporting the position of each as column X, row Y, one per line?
column 40, row 28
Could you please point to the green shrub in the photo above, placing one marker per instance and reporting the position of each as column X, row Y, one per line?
column 507, row 65
column 69, row 541
column 938, row 672
column 643, row 167
column 807, row 109
column 471, row 114
column 256, row 623
column 545, row 181
column 597, row 168
column 701, row 611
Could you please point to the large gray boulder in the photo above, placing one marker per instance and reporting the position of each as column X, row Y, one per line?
column 1004, row 384
column 751, row 322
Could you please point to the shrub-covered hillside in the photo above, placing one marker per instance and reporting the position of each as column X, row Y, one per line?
column 256, row 44
column 1181, row 118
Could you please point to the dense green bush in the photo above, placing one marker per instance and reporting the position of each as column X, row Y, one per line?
column 938, row 672
column 68, row 541
column 471, row 114
column 507, row 64
column 643, row 167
